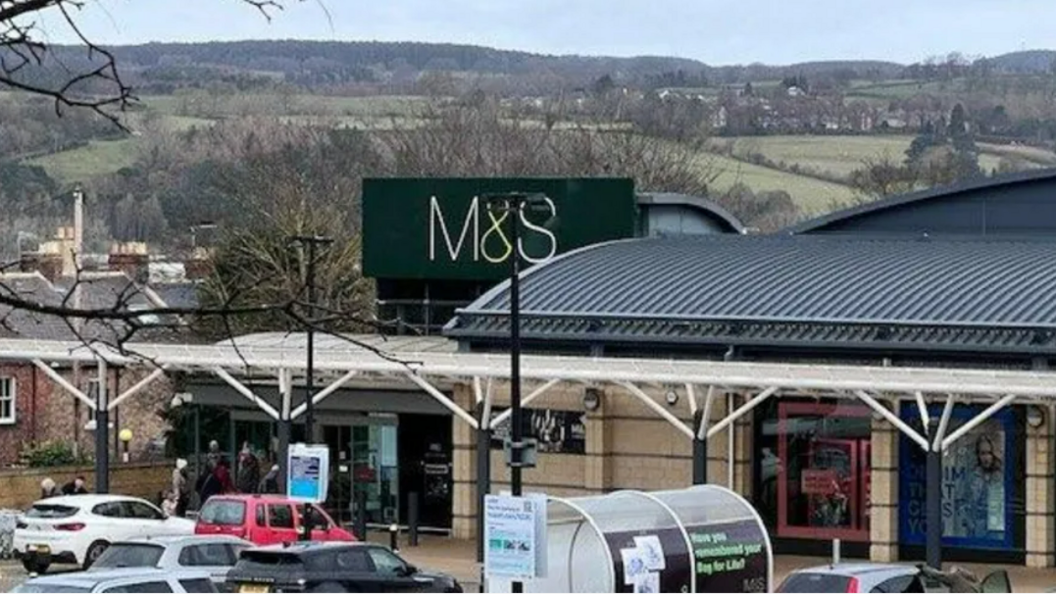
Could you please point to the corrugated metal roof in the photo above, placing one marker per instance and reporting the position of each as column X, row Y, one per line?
column 962, row 294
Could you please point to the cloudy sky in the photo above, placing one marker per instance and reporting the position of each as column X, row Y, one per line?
column 714, row 31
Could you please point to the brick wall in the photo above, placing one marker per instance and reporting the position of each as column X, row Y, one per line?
column 46, row 412
column 20, row 488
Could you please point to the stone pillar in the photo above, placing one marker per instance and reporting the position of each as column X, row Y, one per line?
column 883, row 498
column 464, row 446
column 718, row 444
column 1040, row 476
column 743, row 440
column 597, row 465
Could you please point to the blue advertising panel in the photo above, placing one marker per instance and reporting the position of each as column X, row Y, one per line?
column 977, row 481
column 307, row 472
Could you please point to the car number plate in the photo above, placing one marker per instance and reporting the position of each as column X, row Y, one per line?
column 253, row 589
column 39, row 549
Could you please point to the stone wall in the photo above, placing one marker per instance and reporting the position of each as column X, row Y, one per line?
column 20, row 488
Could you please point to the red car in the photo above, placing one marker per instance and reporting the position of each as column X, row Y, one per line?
column 265, row 519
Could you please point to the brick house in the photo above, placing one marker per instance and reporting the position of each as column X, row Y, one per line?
column 33, row 408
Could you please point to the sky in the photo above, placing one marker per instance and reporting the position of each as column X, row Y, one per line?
column 714, row 31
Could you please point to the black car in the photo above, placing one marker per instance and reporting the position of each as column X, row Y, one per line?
column 332, row 567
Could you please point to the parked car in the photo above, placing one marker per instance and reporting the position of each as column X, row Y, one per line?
column 265, row 519
column 332, row 567
column 78, row 528
column 121, row 580
column 215, row 555
column 879, row 577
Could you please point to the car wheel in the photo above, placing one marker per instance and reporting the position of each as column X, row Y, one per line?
column 35, row 566
column 94, row 551
column 329, row 587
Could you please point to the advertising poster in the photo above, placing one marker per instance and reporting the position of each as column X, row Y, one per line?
column 730, row 557
column 977, row 482
column 555, row 431
column 650, row 560
column 514, row 531
column 308, row 472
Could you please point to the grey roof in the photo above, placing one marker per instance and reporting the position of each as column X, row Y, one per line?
column 1002, row 183
column 325, row 341
column 712, row 209
column 968, row 295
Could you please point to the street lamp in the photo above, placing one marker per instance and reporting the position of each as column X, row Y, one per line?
column 511, row 208
column 125, row 435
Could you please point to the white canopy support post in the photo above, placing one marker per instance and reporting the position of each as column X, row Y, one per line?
column 745, row 409
column 977, row 420
column 504, row 415
column 64, row 384
column 488, row 397
column 638, row 393
column 478, row 393
column 705, row 417
column 691, row 395
column 730, row 443
column 325, row 392
column 944, row 422
column 442, row 399
column 244, row 391
column 922, row 406
column 140, row 385
column 892, row 418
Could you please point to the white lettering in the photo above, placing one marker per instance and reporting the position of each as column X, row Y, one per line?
column 543, row 230
column 436, row 214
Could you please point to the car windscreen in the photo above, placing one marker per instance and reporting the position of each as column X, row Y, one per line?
column 41, row 588
column 267, row 562
column 46, row 512
column 223, row 513
column 815, row 582
column 129, row 555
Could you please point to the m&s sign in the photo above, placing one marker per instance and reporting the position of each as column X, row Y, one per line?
column 442, row 228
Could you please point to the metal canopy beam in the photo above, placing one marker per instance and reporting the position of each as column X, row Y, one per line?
column 893, row 419
column 243, row 390
column 64, row 384
column 140, row 385
column 443, row 399
column 977, row 420
column 745, row 409
column 652, row 404
column 324, row 393
column 504, row 415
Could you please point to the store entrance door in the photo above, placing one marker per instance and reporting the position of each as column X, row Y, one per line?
column 364, row 460
column 425, row 447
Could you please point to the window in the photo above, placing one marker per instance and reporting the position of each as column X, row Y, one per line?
column 905, row 583
column 142, row 587
column 142, row 511
column 130, row 555
column 8, row 410
column 261, row 520
column 114, row 509
column 202, row 585
column 280, row 516
column 347, row 560
column 387, row 563
column 43, row 510
column 206, row 555
column 221, row 512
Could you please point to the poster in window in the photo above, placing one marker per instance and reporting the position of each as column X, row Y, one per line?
column 977, row 482
column 555, row 431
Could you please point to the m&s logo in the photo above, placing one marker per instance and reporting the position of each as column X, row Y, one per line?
column 488, row 241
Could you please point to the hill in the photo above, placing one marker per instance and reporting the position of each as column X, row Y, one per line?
column 1025, row 62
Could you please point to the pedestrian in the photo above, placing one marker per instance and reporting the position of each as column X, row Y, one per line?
column 48, row 488
column 270, row 483
column 217, row 483
column 75, row 487
column 248, row 470
column 169, row 504
column 213, row 456
column 181, row 487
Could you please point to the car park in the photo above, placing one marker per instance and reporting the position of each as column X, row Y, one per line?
column 265, row 519
column 332, row 567
column 78, row 528
column 120, row 580
column 215, row 555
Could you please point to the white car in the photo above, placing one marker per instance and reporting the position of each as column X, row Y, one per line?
column 120, row 580
column 78, row 528
column 213, row 554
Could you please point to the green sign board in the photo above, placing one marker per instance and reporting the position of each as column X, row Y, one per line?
column 442, row 228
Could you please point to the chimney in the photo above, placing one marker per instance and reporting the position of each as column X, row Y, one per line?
column 48, row 265
column 132, row 259
column 199, row 265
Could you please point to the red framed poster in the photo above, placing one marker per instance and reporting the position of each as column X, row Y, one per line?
column 826, row 478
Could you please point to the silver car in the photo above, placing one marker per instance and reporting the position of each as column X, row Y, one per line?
column 880, row 577
column 121, row 580
column 213, row 554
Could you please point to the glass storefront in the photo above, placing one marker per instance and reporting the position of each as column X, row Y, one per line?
column 364, row 468
column 812, row 471
column 983, row 506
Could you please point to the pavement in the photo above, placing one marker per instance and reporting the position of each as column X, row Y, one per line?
column 458, row 558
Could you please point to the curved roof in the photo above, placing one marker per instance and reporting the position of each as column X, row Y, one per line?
column 780, row 290
column 709, row 208
column 1005, row 204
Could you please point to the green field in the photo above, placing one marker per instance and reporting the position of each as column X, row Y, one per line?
column 813, row 196
column 100, row 157
column 205, row 105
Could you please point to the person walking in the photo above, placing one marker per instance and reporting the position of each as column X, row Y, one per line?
column 75, row 487
column 48, row 488
column 181, row 487
column 270, row 483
